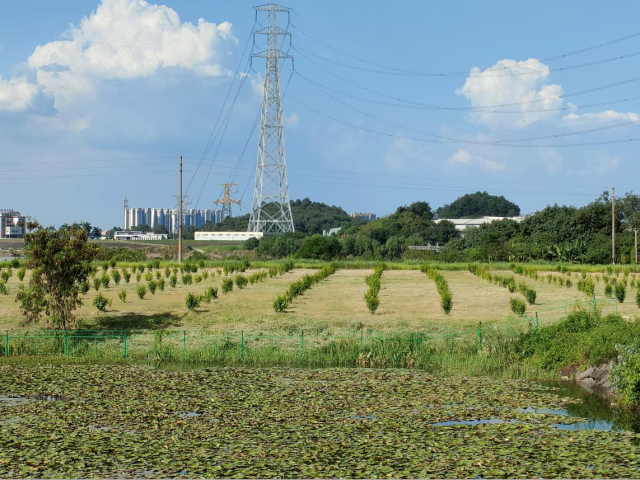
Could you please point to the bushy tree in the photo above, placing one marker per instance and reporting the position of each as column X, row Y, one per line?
column 60, row 261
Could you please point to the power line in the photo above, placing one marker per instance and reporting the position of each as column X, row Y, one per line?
column 464, row 109
column 481, row 142
column 450, row 140
column 480, row 107
column 88, row 161
column 517, row 70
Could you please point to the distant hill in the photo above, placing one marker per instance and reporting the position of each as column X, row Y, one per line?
column 479, row 204
column 308, row 217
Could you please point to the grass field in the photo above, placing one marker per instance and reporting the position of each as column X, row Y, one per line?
column 409, row 302
column 97, row 421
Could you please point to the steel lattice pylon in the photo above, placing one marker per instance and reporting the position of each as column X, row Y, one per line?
column 271, row 210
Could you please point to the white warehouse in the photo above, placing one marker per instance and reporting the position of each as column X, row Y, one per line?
column 228, row 236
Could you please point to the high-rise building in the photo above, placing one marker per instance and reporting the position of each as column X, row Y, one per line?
column 168, row 217
column 366, row 216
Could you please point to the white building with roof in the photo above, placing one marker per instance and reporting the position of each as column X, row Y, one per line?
column 462, row 224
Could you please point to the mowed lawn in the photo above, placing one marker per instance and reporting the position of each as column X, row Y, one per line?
column 409, row 301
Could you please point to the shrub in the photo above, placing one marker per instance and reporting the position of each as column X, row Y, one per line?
column 158, row 275
column 152, row 287
column 586, row 286
column 167, row 272
column 530, row 294
column 101, row 302
column 173, row 281
column 84, row 286
column 122, row 295
column 608, row 290
column 210, row 293
column 197, row 278
column 300, row 286
column 127, row 275
column 148, row 276
column 116, row 277
column 227, row 285
column 193, row 301
column 3, row 289
column 638, row 298
column 161, row 284
column 280, row 303
column 187, row 279
column 4, row 276
column 138, row 277
column 21, row 273
column 241, row 281
column 518, row 306
column 141, row 290
column 568, row 283
column 371, row 296
column 621, row 292
column 205, row 274
column 105, row 266
column 626, row 375
column 104, row 280
column 96, row 283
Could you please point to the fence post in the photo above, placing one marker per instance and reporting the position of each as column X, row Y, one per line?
column 451, row 345
column 302, row 342
column 242, row 344
column 595, row 305
column 214, row 344
column 66, row 343
column 479, row 337
column 361, row 338
column 537, row 323
column 125, row 346
column 184, row 345
column 6, row 343
column 37, row 349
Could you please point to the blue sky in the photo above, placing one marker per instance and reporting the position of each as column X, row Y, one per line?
column 98, row 98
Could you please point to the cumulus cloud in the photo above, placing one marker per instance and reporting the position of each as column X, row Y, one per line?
column 404, row 152
column 601, row 162
column 17, row 94
column 125, row 39
column 607, row 117
column 552, row 160
column 509, row 82
column 462, row 157
column 292, row 120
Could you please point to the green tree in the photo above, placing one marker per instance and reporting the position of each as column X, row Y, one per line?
column 60, row 262
column 479, row 204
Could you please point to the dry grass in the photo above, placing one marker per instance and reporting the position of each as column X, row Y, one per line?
column 409, row 301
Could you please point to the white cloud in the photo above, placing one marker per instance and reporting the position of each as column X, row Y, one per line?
column 601, row 162
column 462, row 157
column 405, row 152
column 509, row 82
column 126, row 39
column 292, row 120
column 17, row 94
column 552, row 160
column 607, row 117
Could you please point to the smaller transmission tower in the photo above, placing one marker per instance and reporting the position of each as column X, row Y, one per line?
column 227, row 201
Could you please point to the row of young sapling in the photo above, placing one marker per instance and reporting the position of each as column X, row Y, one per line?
column 446, row 298
column 300, row 286
column 371, row 297
column 518, row 306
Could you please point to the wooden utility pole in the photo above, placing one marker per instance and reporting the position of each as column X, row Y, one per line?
column 635, row 235
column 613, row 225
column 180, row 216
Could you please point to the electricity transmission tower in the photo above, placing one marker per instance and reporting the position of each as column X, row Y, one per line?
column 270, row 210
column 227, row 201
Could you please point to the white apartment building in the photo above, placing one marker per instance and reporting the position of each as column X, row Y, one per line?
column 12, row 224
